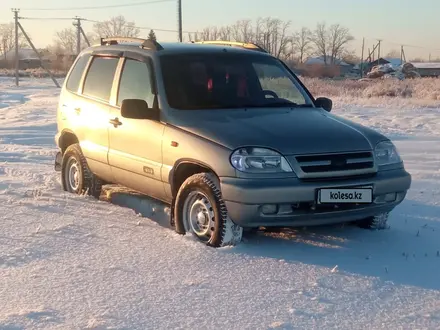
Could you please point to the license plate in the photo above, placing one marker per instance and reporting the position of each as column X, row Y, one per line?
column 339, row 196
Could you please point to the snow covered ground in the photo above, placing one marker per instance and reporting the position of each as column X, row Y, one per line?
column 70, row 262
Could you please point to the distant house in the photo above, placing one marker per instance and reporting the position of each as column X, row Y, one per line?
column 328, row 65
column 365, row 66
column 395, row 62
column 427, row 69
column 27, row 59
column 62, row 61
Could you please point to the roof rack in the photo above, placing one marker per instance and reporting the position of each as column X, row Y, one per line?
column 246, row 45
column 143, row 43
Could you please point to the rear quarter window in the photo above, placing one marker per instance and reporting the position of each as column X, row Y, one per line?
column 99, row 79
column 77, row 72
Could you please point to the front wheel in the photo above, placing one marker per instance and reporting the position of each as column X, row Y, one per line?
column 200, row 210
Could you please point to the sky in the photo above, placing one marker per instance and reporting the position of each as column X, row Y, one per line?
column 408, row 22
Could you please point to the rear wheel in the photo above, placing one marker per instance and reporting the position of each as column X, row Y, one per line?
column 75, row 174
column 200, row 210
column 377, row 222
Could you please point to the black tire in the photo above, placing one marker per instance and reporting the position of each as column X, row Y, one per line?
column 377, row 222
column 87, row 183
column 220, row 230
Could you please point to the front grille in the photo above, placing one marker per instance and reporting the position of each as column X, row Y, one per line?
column 334, row 165
column 340, row 178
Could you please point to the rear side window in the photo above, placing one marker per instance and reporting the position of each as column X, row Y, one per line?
column 99, row 80
column 135, row 82
column 77, row 72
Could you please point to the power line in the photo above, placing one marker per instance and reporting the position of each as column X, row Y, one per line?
column 47, row 18
column 385, row 41
column 95, row 21
column 140, row 27
column 163, row 30
column 142, row 3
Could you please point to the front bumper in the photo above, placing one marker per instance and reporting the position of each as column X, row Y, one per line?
column 295, row 199
column 58, row 161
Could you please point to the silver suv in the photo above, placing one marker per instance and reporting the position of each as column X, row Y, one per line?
column 223, row 132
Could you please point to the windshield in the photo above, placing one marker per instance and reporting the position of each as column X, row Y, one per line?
column 219, row 81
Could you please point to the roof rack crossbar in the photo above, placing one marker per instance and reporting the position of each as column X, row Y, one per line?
column 143, row 43
column 246, row 45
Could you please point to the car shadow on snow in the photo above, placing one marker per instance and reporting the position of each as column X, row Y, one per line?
column 407, row 253
column 26, row 319
column 142, row 205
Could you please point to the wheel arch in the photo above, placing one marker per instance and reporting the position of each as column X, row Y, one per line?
column 67, row 138
column 183, row 169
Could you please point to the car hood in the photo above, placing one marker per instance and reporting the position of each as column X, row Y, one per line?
column 289, row 131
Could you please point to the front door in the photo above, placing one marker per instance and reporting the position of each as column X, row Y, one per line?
column 91, row 113
column 135, row 145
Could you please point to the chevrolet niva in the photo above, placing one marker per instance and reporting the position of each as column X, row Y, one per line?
column 223, row 132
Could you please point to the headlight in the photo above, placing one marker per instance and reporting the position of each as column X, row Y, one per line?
column 386, row 153
column 259, row 160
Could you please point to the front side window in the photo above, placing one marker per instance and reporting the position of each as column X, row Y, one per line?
column 135, row 82
column 216, row 81
column 276, row 83
column 99, row 80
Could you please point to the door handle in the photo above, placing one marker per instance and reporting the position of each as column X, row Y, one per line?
column 115, row 122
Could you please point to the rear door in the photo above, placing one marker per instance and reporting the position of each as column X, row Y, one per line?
column 69, row 116
column 135, row 145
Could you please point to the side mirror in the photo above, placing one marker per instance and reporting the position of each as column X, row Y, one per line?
column 138, row 109
column 325, row 103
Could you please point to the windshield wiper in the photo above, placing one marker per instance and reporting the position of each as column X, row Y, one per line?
column 280, row 104
column 287, row 104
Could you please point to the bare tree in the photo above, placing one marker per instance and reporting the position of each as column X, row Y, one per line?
column 266, row 30
column 282, row 40
column 65, row 41
column 116, row 26
column 7, row 38
column 273, row 35
column 394, row 53
column 225, row 33
column 210, row 33
column 331, row 43
column 246, row 30
column 302, row 44
column 320, row 40
column 242, row 31
column 339, row 37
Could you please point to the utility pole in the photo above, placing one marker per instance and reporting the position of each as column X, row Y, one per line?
column 77, row 23
column 179, row 20
column 362, row 58
column 38, row 54
column 401, row 54
column 378, row 50
column 17, row 60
